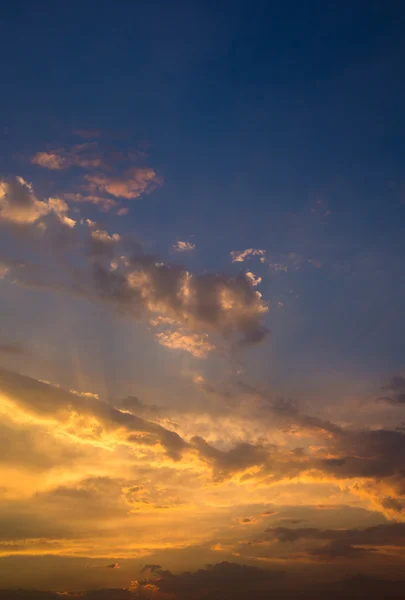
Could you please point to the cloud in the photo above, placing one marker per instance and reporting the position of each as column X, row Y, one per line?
column 87, row 133
column 151, row 568
column 136, row 406
column 226, row 577
column 195, row 343
column 196, row 304
column 104, row 203
column 395, row 389
column 379, row 535
column 315, row 262
column 215, row 581
column 49, row 160
column 242, row 255
column 253, row 278
column 339, row 549
column 13, row 349
column 180, row 246
column 47, row 401
column 82, row 155
column 184, row 307
column 102, row 243
column 135, row 182
column 4, row 269
column 240, row 458
column 20, row 206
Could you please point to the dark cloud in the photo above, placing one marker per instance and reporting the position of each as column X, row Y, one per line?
column 339, row 549
column 203, row 303
column 151, row 568
column 379, row 535
column 225, row 577
column 288, row 413
column 238, row 458
column 137, row 407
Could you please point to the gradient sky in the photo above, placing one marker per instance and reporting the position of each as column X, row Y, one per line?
column 202, row 282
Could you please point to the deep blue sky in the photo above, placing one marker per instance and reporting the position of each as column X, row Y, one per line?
column 252, row 112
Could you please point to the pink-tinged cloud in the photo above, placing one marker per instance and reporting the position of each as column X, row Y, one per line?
column 137, row 181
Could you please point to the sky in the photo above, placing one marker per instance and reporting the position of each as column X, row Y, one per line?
column 202, row 282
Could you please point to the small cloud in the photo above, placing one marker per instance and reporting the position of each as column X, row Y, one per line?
column 103, row 236
column 4, row 269
column 241, row 256
column 105, row 204
column 396, row 390
column 278, row 267
column 315, row 262
column 87, row 134
column 254, row 280
column 137, row 181
column 122, row 212
column 195, row 343
column 181, row 246
column 49, row 160
column 82, row 155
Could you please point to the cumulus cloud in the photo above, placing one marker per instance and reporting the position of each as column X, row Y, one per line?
column 242, row 255
column 197, row 304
